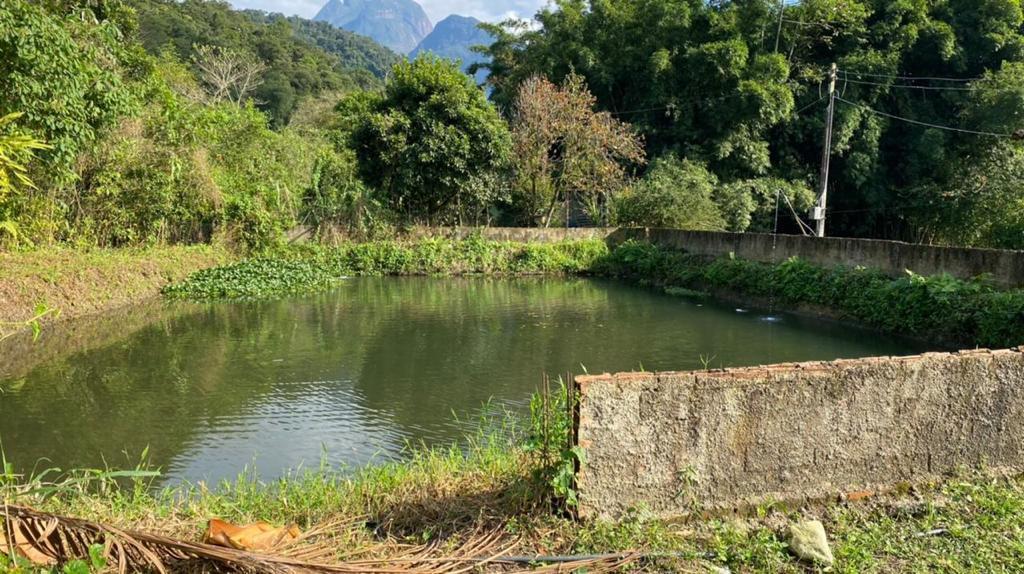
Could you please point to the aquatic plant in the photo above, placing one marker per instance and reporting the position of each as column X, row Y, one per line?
column 312, row 268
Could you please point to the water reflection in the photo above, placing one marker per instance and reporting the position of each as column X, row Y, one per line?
column 354, row 374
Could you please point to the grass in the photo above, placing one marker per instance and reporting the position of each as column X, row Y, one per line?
column 514, row 481
column 969, row 523
column 501, row 478
column 80, row 282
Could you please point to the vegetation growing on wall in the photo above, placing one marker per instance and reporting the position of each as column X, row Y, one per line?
column 492, row 483
column 939, row 308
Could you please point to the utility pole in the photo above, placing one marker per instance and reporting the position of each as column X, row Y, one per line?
column 778, row 32
column 818, row 214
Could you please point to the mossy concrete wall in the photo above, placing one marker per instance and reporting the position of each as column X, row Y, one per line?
column 677, row 443
column 1006, row 268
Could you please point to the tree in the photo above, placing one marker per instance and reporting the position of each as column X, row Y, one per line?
column 64, row 75
column 431, row 143
column 565, row 151
column 736, row 85
column 677, row 194
column 228, row 74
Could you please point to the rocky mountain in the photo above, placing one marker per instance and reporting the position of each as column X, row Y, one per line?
column 453, row 39
column 398, row 24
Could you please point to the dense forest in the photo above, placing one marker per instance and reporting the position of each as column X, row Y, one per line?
column 131, row 122
column 739, row 88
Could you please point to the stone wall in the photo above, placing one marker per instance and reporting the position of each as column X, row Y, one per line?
column 730, row 439
column 1005, row 267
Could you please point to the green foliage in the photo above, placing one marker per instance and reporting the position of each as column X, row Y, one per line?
column 737, row 86
column 939, row 308
column 183, row 170
column 356, row 52
column 299, row 58
column 431, row 143
column 65, row 74
column 140, row 152
column 312, row 267
column 16, row 149
column 674, row 194
column 338, row 201
column 549, row 441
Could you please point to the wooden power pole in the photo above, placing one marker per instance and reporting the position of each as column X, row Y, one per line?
column 818, row 214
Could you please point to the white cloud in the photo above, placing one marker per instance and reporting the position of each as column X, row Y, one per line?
column 487, row 10
column 304, row 8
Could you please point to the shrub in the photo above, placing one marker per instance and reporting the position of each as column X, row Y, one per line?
column 675, row 194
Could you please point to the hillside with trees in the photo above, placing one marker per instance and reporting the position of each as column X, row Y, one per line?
column 296, row 57
column 151, row 121
column 107, row 143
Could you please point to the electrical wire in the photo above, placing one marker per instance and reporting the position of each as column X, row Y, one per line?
column 809, row 106
column 678, row 104
column 909, row 87
column 925, row 124
column 914, row 78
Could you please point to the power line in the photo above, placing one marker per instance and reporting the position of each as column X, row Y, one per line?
column 926, row 124
column 809, row 106
column 909, row 87
column 678, row 104
column 915, row 78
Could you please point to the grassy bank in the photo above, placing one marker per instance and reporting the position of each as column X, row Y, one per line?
column 83, row 282
column 940, row 309
column 495, row 484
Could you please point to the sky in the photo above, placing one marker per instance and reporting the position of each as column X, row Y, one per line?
column 486, row 10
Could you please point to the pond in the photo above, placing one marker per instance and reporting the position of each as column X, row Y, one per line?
column 353, row 375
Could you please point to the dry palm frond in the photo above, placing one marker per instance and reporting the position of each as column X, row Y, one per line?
column 47, row 538
column 55, row 538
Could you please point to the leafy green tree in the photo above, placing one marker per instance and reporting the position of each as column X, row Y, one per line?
column 737, row 86
column 430, row 142
column 65, row 75
column 675, row 194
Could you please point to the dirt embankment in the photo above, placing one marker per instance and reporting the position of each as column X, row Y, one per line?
column 82, row 283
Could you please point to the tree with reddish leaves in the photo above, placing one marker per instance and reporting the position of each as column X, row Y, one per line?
column 568, row 153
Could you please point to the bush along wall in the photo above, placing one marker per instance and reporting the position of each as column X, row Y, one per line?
column 939, row 308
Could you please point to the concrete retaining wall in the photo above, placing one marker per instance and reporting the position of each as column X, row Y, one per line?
column 682, row 442
column 893, row 257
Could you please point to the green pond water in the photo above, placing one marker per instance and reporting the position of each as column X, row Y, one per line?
column 353, row 375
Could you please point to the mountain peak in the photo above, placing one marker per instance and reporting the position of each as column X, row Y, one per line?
column 397, row 24
column 453, row 38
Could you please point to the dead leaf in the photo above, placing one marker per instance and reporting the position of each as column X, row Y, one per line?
column 258, row 536
column 25, row 549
